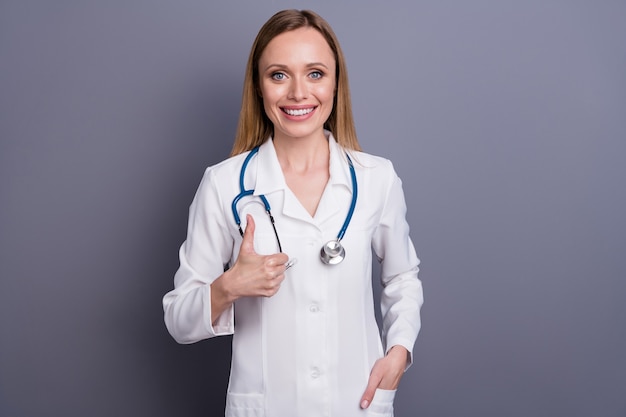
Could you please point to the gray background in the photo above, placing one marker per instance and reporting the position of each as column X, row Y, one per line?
column 506, row 121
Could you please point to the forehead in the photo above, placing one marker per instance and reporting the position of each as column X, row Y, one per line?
column 299, row 46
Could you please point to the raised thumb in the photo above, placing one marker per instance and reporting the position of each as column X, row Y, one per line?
column 247, row 244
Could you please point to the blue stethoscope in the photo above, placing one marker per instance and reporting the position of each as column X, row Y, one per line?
column 332, row 252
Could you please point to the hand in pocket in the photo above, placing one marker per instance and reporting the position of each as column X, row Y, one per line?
column 386, row 374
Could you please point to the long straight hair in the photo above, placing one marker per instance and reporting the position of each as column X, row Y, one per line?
column 254, row 126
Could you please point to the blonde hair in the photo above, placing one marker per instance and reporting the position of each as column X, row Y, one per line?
column 254, row 126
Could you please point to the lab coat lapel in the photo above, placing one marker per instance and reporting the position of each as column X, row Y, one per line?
column 269, row 176
column 270, row 179
column 339, row 185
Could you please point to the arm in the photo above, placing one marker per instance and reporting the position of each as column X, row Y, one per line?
column 203, row 256
column 201, row 304
column 402, row 296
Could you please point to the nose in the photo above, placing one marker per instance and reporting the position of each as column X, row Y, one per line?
column 298, row 89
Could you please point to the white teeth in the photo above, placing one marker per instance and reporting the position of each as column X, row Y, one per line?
column 300, row 112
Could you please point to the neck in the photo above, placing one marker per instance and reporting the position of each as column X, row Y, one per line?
column 302, row 154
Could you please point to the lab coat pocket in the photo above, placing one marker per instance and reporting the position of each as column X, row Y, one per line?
column 244, row 405
column 382, row 403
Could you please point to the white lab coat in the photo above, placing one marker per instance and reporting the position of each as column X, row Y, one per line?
column 308, row 350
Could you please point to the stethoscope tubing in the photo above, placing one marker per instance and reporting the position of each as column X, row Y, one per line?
column 242, row 189
column 243, row 193
column 355, row 191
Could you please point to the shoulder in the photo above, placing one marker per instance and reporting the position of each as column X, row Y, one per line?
column 227, row 166
column 376, row 175
column 362, row 161
column 222, row 177
column 225, row 174
column 374, row 163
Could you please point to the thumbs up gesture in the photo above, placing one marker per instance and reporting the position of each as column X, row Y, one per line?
column 252, row 275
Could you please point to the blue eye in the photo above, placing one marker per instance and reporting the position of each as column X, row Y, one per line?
column 278, row 76
column 316, row 75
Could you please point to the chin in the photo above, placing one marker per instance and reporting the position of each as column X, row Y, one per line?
column 298, row 134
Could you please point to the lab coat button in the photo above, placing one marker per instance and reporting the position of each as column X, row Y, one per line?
column 315, row 372
column 313, row 308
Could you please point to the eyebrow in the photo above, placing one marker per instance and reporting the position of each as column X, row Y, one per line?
column 310, row 65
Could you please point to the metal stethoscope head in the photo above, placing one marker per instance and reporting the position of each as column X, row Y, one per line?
column 332, row 253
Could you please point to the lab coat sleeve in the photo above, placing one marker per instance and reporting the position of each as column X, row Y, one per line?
column 203, row 256
column 402, row 296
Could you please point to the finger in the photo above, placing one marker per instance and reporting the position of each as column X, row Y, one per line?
column 277, row 260
column 247, row 244
column 368, row 395
column 272, row 284
column 276, row 274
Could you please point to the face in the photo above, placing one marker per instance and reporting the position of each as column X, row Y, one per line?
column 297, row 82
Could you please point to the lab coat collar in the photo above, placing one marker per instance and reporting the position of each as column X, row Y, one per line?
column 339, row 168
column 270, row 178
column 269, row 175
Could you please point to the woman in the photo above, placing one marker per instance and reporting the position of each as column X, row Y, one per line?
column 305, row 341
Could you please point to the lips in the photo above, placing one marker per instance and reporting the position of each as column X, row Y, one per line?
column 298, row 112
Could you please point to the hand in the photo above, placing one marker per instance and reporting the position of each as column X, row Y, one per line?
column 254, row 275
column 386, row 373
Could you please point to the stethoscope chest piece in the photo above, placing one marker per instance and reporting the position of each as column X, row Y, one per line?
column 332, row 253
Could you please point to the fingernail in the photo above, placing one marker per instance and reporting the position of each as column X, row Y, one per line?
column 364, row 404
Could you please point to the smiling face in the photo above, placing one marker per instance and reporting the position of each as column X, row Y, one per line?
column 297, row 82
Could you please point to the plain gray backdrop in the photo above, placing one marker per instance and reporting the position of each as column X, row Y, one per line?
column 505, row 119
